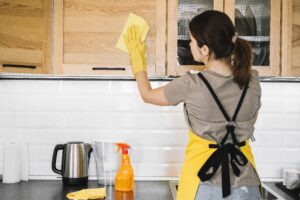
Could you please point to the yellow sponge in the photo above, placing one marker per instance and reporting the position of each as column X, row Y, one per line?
column 133, row 20
column 95, row 193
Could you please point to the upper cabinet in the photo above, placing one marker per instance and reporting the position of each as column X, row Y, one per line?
column 25, row 36
column 78, row 37
column 180, row 13
column 291, row 38
column 86, row 31
column 256, row 21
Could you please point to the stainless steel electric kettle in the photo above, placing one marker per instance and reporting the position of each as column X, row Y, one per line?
column 74, row 164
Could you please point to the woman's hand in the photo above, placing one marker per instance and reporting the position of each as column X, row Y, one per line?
column 136, row 49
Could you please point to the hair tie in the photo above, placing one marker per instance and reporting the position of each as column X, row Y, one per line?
column 235, row 37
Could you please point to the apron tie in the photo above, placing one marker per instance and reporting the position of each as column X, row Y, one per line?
column 221, row 157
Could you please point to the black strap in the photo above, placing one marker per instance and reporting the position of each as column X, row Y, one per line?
column 230, row 126
column 218, row 101
column 246, row 86
column 214, row 96
column 221, row 155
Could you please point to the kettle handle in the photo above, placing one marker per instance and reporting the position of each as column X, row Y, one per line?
column 56, row 149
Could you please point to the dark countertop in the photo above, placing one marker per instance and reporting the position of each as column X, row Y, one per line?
column 280, row 194
column 144, row 190
column 54, row 190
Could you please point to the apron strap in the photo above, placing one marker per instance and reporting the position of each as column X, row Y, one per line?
column 221, row 158
column 230, row 123
column 225, row 151
column 218, row 101
column 215, row 97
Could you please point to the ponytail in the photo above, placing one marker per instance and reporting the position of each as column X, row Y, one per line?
column 241, row 61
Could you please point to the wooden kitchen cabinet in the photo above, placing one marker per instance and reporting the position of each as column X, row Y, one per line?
column 180, row 12
column 256, row 21
column 25, row 36
column 291, row 38
column 86, row 31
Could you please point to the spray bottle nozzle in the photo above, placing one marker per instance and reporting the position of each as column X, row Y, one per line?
column 124, row 147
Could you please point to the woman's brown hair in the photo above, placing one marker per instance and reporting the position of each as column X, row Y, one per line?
column 215, row 30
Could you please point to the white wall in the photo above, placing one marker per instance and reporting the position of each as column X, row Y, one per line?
column 44, row 113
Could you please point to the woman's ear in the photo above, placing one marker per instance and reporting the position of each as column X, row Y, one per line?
column 204, row 50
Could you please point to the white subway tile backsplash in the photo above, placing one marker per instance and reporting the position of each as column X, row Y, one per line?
column 42, row 120
column 9, row 135
column 292, row 121
column 30, row 103
column 292, row 155
column 123, row 88
column 136, row 138
column 141, row 106
column 269, row 170
column 268, row 155
column 53, row 136
column 53, row 103
column 1, row 159
column 290, row 89
column 45, row 113
column 272, row 105
column 86, row 120
column 10, row 102
column 160, row 138
column 292, row 105
column 273, row 89
column 82, row 88
column 10, row 120
column 156, row 170
column 37, row 168
column 43, row 153
column 268, row 138
column 8, row 87
column 291, row 139
column 37, row 87
column 63, row 103
column 270, row 121
column 175, row 121
column 106, row 103
column 157, row 155
column 146, row 121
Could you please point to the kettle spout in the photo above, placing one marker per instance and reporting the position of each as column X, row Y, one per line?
column 89, row 149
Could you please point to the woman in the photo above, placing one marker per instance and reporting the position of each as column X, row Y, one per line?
column 221, row 104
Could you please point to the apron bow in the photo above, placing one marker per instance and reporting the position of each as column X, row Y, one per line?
column 221, row 157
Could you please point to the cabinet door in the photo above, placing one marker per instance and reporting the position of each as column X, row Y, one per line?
column 25, row 36
column 258, row 21
column 180, row 13
column 291, row 38
column 86, row 31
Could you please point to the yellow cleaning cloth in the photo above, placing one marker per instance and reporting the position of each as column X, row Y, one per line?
column 95, row 193
column 133, row 20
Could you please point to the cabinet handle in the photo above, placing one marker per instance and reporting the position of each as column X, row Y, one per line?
column 19, row 66
column 107, row 68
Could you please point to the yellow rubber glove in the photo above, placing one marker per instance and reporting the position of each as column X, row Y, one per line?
column 136, row 48
column 95, row 193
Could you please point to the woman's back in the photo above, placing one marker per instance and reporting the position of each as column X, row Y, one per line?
column 204, row 117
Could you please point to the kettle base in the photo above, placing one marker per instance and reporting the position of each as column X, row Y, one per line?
column 75, row 181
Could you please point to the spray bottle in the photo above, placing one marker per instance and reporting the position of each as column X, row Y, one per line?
column 124, row 180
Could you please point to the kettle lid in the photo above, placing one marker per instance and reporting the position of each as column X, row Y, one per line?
column 75, row 142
